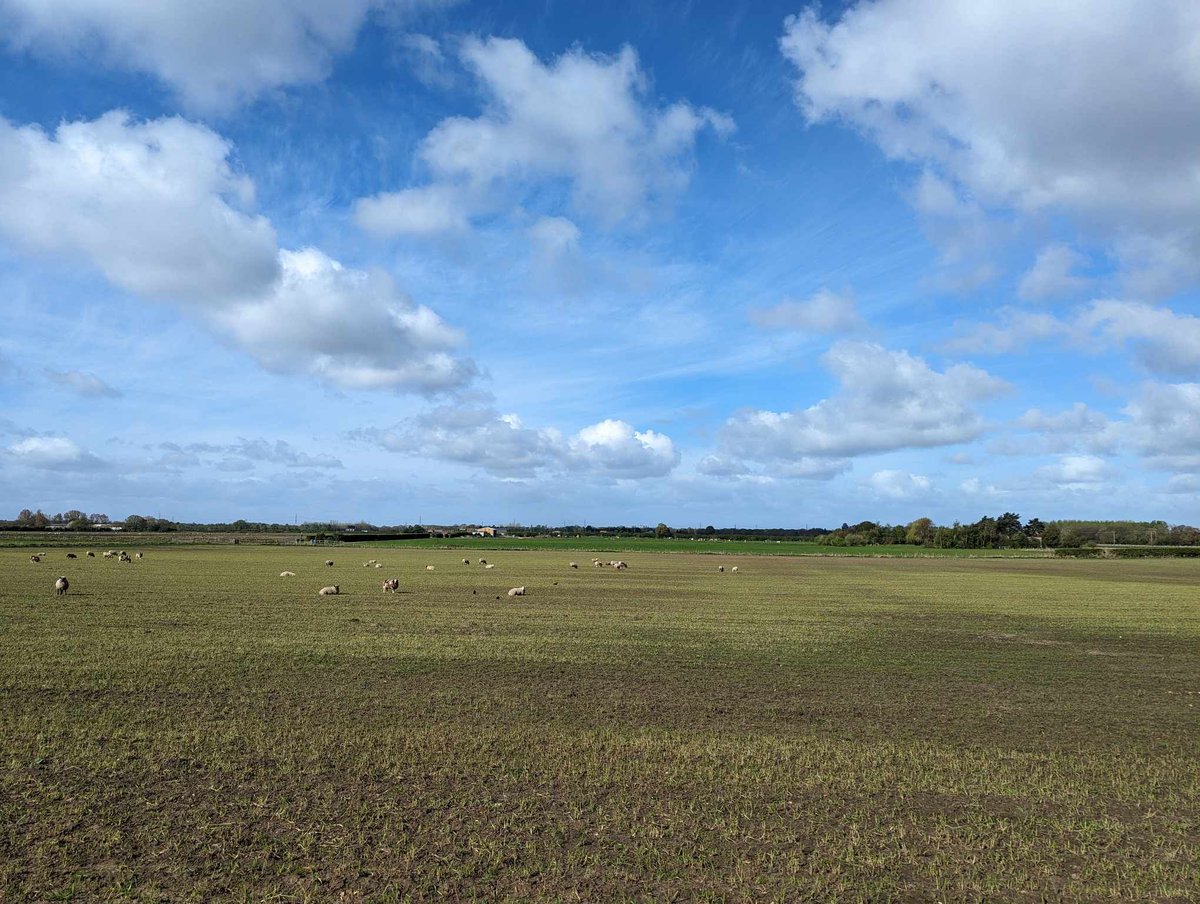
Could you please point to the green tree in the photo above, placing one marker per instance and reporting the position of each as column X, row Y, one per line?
column 662, row 531
column 919, row 532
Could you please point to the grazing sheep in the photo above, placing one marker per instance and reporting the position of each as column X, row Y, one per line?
column 124, row 557
column 61, row 585
column 721, row 568
column 466, row 561
column 109, row 554
column 483, row 561
column 140, row 555
column 91, row 555
column 330, row 591
column 72, row 555
column 574, row 564
column 734, row 569
column 287, row 574
column 378, row 565
column 35, row 558
column 517, row 591
column 598, row 564
column 489, row 566
column 619, row 565
column 329, row 563
column 429, row 568
column 391, row 585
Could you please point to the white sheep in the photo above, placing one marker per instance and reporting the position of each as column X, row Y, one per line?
column 734, row 569
column 139, row 555
column 329, row 563
column 378, row 565
column 619, row 565
column 330, row 591
column 391, row 585
column 517, row 591
column 574, row 565
column 721, row 568
column 466, row 561
column 489, row 566
column 429, row 568
column 61, row 585
column 287, row 574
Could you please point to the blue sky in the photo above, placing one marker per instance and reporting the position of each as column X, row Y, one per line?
column 763, row 264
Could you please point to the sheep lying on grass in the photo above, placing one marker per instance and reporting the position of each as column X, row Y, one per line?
column 517, row 591
column 330, row 591
column 287, row 574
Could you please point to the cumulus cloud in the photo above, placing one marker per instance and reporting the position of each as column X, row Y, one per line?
column 154, row 205
column 1073, row 471
column 893, row 484
column 887, row 400
column 822, row 312
column 1077, row 427
column 1164, row 425
column 504, row 446
column 156, row 208
column 962, row 88
column 53, row 453
column 347, row 326
column 583, row 118
column 85, row 384
column 213, row 54
column 1162, row 341
column 1053, row 274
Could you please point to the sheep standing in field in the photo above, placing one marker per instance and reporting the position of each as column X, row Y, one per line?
column 61, row 585
column 287, row 574
column 330, row 591
column 35, row 559
column 721, row 568
column 378, row 564
column 140, row 555
column 124, row 557
column 109, row 554
column 91, row 555
column 391, row 585
column 72, row 555
column 517, row 591
column 483, row 561
column 329, row 563
column 619, row 565
column 429, row 568
column 574, row 565
column 466, row 561
column 734, row 569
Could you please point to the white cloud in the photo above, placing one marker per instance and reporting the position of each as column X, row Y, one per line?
column 53, row 453
column 1052, row 274
column 615, row 448
column 823, row 312
column 1017, row 329
column 1162, row 341
column 504, row 446
column 347, row 326
column 155, row 207
column 1078, row 427
column 964, row 88
column 582, row 118
column 86, row 384
column 214, row 53
column 893, row 484
column 243, row 455
column 887, row 400
column 1164, row 425
column 1072, row 471
column 425, row 211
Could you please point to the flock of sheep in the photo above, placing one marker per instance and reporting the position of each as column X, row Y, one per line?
column 390, row 585
column 61, row 584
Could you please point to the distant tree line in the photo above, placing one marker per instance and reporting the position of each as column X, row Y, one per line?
column 1005, row 531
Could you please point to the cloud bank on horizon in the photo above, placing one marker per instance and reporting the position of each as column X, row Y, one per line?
column 389, row 259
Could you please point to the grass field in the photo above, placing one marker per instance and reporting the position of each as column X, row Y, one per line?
column 193, row 727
